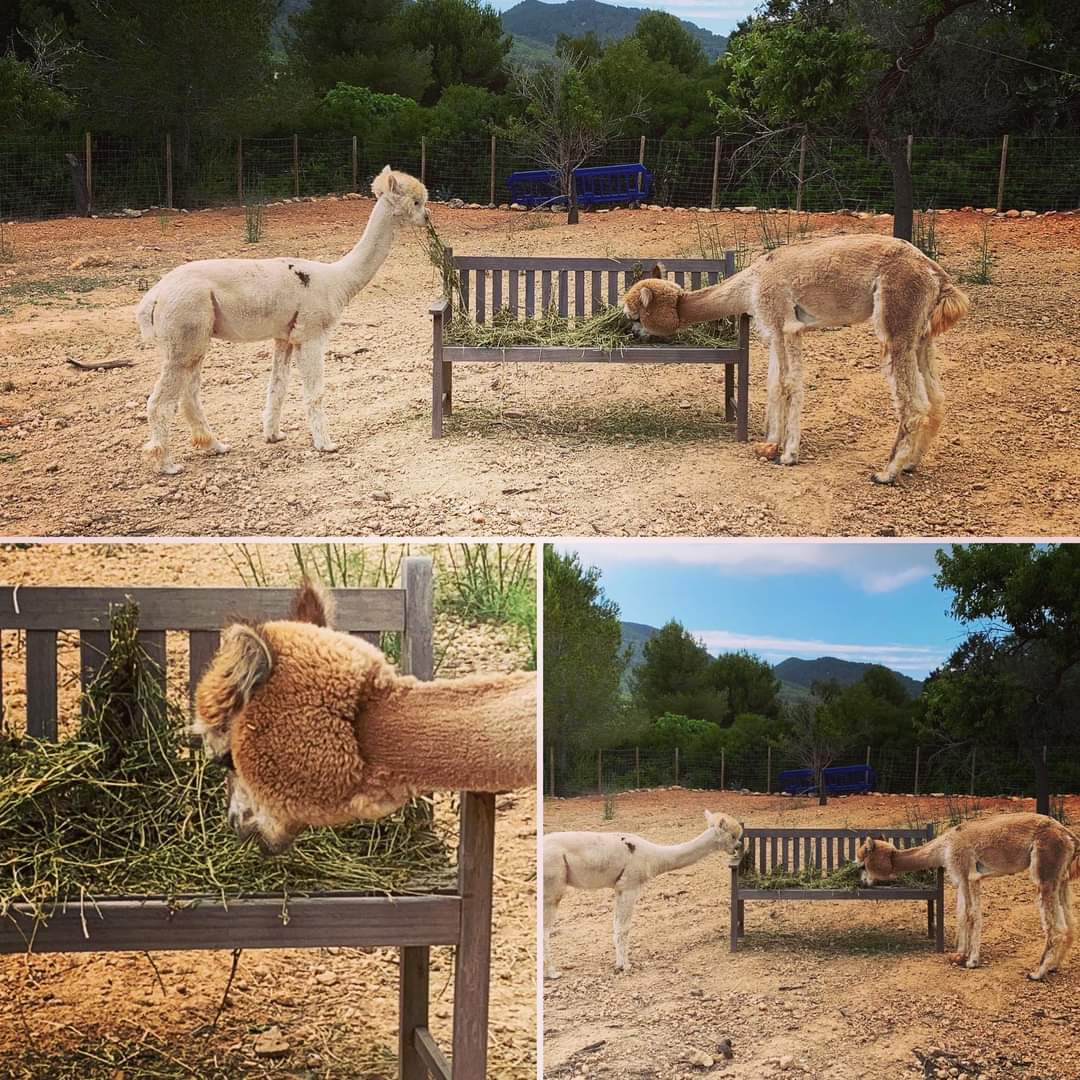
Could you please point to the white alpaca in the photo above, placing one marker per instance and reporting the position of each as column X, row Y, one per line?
column 623, row 862
column 297, row 302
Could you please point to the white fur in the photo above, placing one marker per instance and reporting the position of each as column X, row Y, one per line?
column 294, row 302
column 623, row 862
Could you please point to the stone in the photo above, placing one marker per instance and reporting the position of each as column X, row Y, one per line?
column 745, row 209
column 326, row 978
column 518, row 206
column 271, row 1044
column 456, row 204
column 1012, row 213
column 1029, row 213
column 700, row 1059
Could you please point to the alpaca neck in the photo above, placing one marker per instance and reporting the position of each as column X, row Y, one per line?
column 927, row 856
column 665, row 857
column 477, row 733
column 358, row 267
column 730, row 297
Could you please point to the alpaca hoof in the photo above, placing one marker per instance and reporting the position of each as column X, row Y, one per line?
column 883, row 478
column 1034, row 976
column 327, row 448
column 273, row 436
column 971, row 962
column 170, row 468
column 789, row 458
column 768, row 451
column 907, row 470
column 220, row 447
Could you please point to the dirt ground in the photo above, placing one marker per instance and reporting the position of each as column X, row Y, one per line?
column 532, row 450
column 336, row 1008
column 823, row 990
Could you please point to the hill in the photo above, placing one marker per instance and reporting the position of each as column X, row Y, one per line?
column 542, row 23
column 796, row 676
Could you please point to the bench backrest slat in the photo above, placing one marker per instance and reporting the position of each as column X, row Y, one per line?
column 828, row 849
column 44, row 611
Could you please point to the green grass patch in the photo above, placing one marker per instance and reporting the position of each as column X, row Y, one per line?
column 126, row 806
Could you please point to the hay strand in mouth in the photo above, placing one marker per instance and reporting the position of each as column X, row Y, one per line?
column 126, row 807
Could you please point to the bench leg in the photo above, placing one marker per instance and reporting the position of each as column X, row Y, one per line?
column 472, row 961
column 742, row 918
column 437, row 397
column 729, row 392
column 930, row 905
column 413, row 1008
column 448, row 388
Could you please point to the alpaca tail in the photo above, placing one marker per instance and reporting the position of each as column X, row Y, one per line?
column 951, row 307
column 144, row 315
column 312, row 604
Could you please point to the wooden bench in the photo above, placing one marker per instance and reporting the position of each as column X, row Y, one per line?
column 581, row 287
column 828, row 849
column 460, row 917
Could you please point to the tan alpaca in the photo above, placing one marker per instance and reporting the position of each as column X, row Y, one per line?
column 835, row 281
column 623, row 862
column 317, row 728
column 993, row 847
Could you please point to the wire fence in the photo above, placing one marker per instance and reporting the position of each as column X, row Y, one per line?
column 910, row 771
column 37, row 172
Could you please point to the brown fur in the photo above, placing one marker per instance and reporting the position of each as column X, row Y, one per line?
column 325, row 731
column 833, row 281
column 312, row 604
column 993, row 847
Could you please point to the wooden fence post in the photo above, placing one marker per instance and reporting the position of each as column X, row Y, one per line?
column 676, row 766
column 1001, row 172
column 296, row 165
column 868, row 757
column 637, row 765
column 240, row 168
column 802, row 174
column 917, row 770
column 715, row 171
column 641, row 158
column 723, row 767
column 600, row 772
column 491, row 200
column 168, row 170
column 551, row 771
column 910, row 142
column 355, row 155
column 89, row 175
column 972, row 788
column 423, row 159
column 768, row 770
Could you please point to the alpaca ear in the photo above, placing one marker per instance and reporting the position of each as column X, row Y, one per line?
column 868, row 844
column 645, row 296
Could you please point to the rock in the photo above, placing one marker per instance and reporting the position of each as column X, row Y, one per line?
column 700, row 1059
column 53, row 467
column 988, row 210
column 326, row 978
column 456, row 204
column 786, row 1062
column 352, row 195
column 518, row 206
column 1029, row 213
column 1012, row 213
column 745, row 209
column 381, row 496
column 271, row 1044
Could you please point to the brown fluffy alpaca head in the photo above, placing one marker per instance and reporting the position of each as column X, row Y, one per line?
column 406, row 196
column 875, row 857
column 652, row 304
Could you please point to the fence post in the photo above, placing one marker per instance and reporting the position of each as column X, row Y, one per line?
column 1001, row 172
column 89, row 175
column 715, row 170
column 910, row 141
column 917, row 770
column 423, row 159
column 296, row 165
column 551, row 771
column 868, row 757
column 637, row 765
column 723, row 764
column 240, row 168
column 355, row 155
column 972, row 789
column 768, row 771
column 676, row 766
column 600, row 772
column 802, row 173
column 168, row 170
column 491, row 200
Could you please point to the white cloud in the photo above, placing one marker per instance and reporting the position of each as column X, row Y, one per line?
column 873, row 567
column 910, row 659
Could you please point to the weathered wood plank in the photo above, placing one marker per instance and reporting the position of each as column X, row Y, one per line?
column 530, row 294
column 545, row 291
column 152, row 642
column 314, row 922
column 877, row 893
column 496, row 291
column 480, row 312
column 579, row 293
column 552, row 354
column 512, row 292
column 612, row 288
column 431, row 1054
column 413, row 973
column 93, row 649
column 472, row 967
column 626, row 265
column 40, row 681
column 182, row 608
column 463, row 286
column 889, row 833
column 202, row 644
column 564, row 306
column 417, row 648
column 597, row 292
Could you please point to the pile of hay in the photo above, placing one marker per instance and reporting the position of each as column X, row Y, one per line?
column 608, row 329
column 128, row 807
column 845, row 876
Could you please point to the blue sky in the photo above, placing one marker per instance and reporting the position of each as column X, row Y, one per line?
column 719, row 16
column 871, row 602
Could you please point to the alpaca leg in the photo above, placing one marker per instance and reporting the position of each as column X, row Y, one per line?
column 1046, row 899
column 160, row 409
column 1067, row 921
column 275, row 392
column 910, row 402
column 775, row 419
column 551, row 912
column 793, row 389
column 928, row 371
column 960, row 955
column 191, row 409
column 975, row 918
column 624, row 909
column 310, row 362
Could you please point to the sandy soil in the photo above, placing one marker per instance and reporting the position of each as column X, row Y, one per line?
column 834, row 991
column 342, row 1025
column 532, row 450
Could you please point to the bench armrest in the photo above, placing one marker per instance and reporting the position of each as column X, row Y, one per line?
column 440, row 306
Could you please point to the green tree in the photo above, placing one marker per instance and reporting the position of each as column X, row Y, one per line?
column 359, row 43
column 28, row 102
column 584, row 48
column 747, row 683
column 583, row 656
column 673, row 677
column 666, row 39
column 467, row 44
column 358, row 110
column 1015, row 679
column 815, row 737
